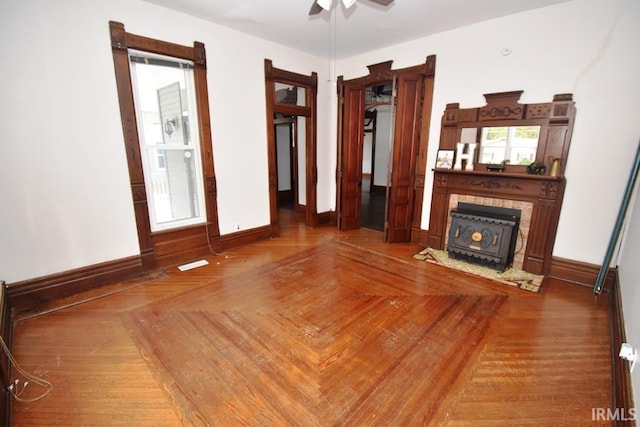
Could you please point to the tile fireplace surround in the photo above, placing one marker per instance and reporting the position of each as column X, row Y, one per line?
column 538, row 197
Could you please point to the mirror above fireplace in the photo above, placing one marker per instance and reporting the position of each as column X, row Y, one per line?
column 512, row 133
column 514, row 145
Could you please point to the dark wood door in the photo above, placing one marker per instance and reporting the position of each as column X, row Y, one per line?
column 405, row 149
column 350, row 170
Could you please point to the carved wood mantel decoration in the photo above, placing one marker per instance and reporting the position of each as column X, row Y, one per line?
column 544, row 192
column 555, row 119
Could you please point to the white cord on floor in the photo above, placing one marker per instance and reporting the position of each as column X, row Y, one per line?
column 15, row 389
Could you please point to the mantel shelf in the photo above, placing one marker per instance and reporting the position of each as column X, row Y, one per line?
column 499, row 174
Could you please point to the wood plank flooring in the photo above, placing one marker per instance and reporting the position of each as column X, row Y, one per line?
column 318, row 328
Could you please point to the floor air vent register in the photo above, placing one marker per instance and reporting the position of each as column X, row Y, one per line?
column 484, row 235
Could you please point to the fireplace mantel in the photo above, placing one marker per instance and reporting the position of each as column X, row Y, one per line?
column 541, row 195
column 544, row 192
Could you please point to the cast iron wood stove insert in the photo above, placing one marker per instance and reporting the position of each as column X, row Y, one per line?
column 484, row 235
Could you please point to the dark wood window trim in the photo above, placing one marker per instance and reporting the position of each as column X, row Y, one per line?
column 176, row 245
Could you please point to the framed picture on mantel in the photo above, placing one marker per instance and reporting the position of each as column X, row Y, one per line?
column 444, row 159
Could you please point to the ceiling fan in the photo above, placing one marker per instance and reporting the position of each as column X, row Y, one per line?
column 320, row 5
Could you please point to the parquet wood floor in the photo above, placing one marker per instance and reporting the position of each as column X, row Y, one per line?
column 318, row 328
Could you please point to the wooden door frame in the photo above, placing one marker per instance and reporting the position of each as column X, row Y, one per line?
column 380, row 73
column 309, row 111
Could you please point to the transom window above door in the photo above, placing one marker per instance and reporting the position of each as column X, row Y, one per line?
column 290, row 94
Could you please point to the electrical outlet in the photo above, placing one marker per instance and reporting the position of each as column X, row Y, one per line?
column 629, row 353
column 237, row 226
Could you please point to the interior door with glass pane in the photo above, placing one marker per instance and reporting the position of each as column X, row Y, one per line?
column 164, row 95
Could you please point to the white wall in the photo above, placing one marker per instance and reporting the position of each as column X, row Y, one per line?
column 301, row 140
column 283, row 155
column 383, row 143
column 367, row 147
column 585, row 47
column 64, row 183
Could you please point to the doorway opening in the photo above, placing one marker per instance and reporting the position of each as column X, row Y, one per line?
column 291, row 136
column 286, row 130
column 407, row 94
column 377, row 143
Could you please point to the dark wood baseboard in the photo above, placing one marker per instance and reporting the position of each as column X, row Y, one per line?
column 333, row 217
column 5, row 363
column 324, row 218
column 579, row 272
column 25, row 295
column 622, row 389
column 245, row 237
column 285, row 195
column 420, row 236
column 183, row 245
column 183, row 250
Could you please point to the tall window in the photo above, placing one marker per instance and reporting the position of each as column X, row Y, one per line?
column 164, row 108
column 164, row 96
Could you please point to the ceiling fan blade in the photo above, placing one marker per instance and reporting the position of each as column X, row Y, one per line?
column 325, row 4
column 383, row 2
column 315, row 9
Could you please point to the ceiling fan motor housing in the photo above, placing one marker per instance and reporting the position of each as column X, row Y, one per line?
column 319, row 5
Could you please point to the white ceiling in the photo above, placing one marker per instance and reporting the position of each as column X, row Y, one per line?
column 341, row 32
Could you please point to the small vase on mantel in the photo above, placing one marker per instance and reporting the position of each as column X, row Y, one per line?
column 555, row 166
